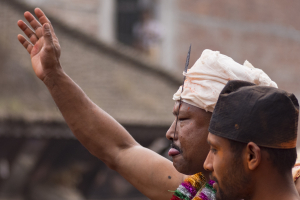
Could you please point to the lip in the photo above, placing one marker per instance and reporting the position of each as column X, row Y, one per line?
column 215, row 186
column 173, row 152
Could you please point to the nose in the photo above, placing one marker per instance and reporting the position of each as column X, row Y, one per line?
column 170, row 133
column 208, row 163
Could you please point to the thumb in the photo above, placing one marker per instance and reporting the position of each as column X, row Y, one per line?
column 47, row 35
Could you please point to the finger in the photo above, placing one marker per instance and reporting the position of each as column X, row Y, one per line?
column 48, row 37
column 26, row 44
column 37, row 27
column 41, row 16
column 28, row 32
column 43, row 19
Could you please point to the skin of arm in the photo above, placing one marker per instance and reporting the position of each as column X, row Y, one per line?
column 102, row 135
column 297, row 184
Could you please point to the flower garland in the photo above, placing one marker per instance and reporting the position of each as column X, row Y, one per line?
column 195, row 188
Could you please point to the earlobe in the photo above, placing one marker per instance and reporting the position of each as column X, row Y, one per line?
column 253, row 155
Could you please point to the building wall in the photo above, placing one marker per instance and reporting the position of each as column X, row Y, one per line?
column 265, row 33
column 80, row 14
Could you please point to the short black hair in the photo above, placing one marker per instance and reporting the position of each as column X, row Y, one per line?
column 282, row 159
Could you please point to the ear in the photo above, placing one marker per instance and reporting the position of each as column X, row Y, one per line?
column 253, row 155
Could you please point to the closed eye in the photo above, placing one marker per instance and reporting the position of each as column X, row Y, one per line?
column 183, row 119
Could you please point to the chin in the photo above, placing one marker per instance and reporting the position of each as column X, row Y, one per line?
column 180, row 167
column 188, row 170
column 183, row 168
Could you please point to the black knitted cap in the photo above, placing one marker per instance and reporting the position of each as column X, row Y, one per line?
column 264, row 115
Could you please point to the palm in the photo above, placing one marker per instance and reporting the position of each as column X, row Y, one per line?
column 43, row 60
column 46, row 50
column 36, row 62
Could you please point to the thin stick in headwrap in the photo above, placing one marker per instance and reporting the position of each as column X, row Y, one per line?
column 185, row 70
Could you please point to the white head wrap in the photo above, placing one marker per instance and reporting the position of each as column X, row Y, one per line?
column 208, row 76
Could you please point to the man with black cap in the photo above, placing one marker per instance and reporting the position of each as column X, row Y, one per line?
column 253, row 133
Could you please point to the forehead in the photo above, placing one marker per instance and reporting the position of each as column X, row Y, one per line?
column 218, row 141
column 186, row 108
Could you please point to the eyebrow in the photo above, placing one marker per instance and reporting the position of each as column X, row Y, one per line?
column 208, row 142
column 215, row 144
column 175, row 111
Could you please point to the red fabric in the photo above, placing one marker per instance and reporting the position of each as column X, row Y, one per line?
column 175, row 198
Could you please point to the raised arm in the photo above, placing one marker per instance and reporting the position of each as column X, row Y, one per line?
column 102, row 135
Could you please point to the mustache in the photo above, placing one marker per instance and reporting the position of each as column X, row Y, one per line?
column 211, row 177
column 174, row 146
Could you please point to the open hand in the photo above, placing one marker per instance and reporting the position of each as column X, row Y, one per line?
column 44, row 48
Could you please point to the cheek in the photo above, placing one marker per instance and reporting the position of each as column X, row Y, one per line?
column 219, row 164
column 193, row 135
column 195, row 138
column 186, row 133
column 187, row 126
column 181, row 124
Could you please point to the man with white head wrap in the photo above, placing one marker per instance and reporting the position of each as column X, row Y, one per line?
column 105, row 138
column 203, row 84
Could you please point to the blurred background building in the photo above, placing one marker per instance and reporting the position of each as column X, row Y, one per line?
column 128, row 56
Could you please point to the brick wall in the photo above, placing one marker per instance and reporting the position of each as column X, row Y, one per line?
column 81, row 14
column 266, row 33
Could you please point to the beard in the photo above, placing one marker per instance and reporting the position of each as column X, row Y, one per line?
column 235, row 183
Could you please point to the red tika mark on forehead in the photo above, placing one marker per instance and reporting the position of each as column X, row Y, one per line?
column 188, row 108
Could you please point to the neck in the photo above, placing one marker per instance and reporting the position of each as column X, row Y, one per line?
column 274, row 186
